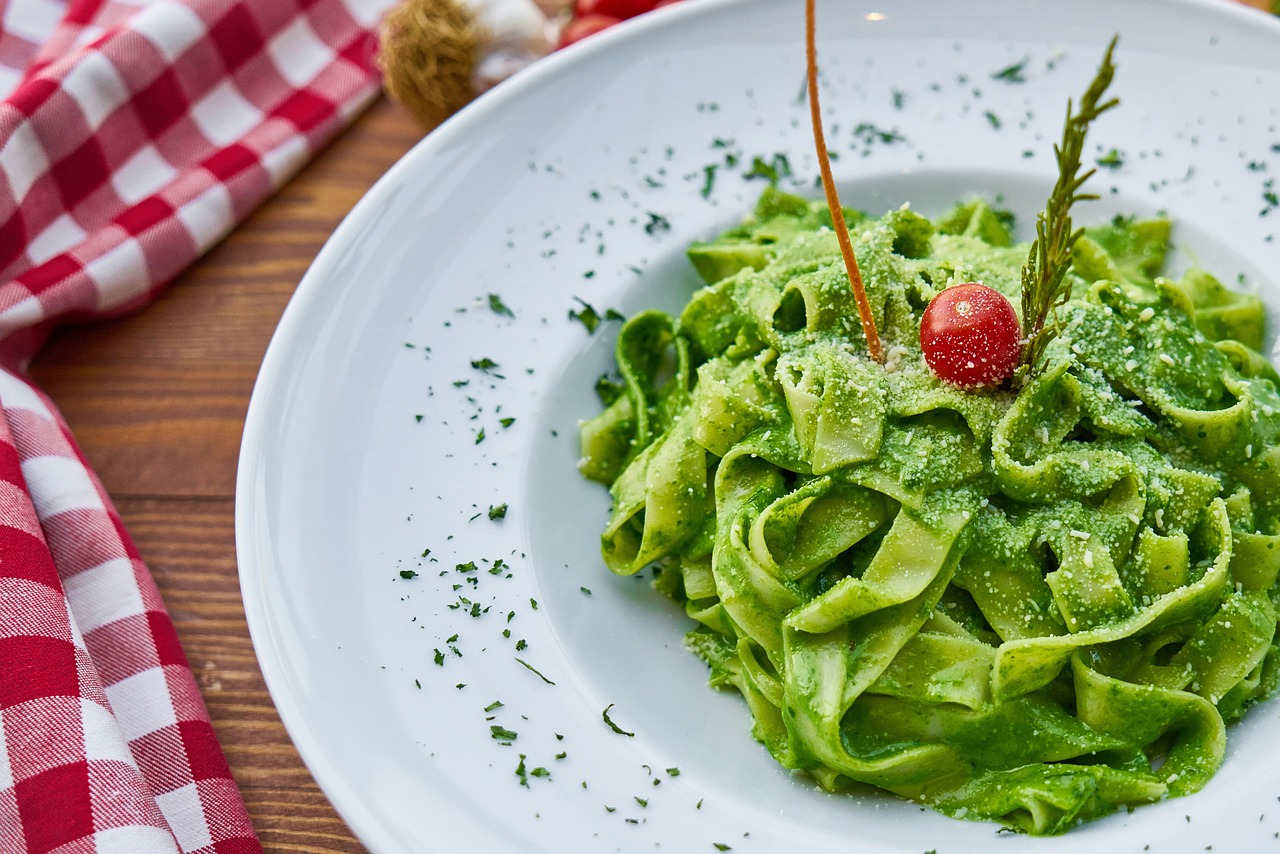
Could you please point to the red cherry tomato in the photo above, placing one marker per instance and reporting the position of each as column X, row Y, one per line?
column 970, row 336
column 588, row 25
column 614, row 8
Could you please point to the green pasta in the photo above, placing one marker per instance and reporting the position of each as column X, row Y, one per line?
column 1030, row 606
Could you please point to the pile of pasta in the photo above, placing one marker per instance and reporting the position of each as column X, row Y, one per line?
column 1033, row 604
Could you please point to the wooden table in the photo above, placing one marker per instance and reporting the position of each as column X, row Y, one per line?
column 157, row 401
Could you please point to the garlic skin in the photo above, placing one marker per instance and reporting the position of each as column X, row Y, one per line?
column 518, row 32
column 514, row 24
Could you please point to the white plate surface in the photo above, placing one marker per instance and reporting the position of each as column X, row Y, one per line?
column 584, row 178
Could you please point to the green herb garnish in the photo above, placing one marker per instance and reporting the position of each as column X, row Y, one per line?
column 588, row 316
column 657, row 223
column 708, row 179
column 869, row 133
column 499, row 307
column 1044, row 277
column 1113, row 159
column 771, row 170
column 521, row 773
column 609, row 722
column 534, row 670
column 1012, row 73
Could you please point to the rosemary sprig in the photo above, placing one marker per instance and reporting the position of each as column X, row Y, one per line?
column 1045, row 286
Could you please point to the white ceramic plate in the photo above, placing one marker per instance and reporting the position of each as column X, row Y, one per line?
column 584, row 178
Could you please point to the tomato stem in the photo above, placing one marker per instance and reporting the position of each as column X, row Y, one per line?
column 874, row 348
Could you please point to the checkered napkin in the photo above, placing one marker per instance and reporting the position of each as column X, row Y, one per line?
column 133, row 135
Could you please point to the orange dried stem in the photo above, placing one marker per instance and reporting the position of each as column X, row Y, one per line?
column 874, row 348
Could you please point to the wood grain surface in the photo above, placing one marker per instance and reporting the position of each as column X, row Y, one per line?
column 157, row 401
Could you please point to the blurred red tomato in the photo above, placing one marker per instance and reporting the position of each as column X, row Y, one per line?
column 586, row 25
column 614, row 8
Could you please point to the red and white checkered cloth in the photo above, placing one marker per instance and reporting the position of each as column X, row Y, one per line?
column 133, row 135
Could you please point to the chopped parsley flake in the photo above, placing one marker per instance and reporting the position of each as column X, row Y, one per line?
column 496, row 704
column 1113, row 159
column 498, row 512
column 502, row 734
column 480, row 436
column 438, row 658
column 657, row 223
column 534, row 670
column 588, row 316
column 406, row 574
column 708, row 179
column 499, row 307
column 870, row 133
column 773, row 170
column 609, row 722
column 1012, row 73
column 522, row 773
column 484, row 364
column 506, row 422
column 720, row 846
